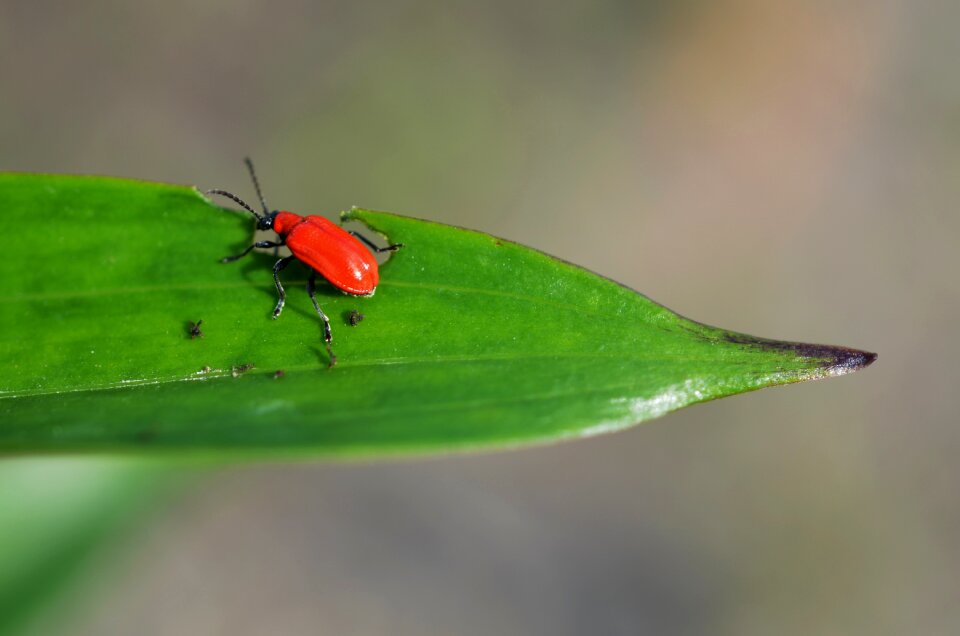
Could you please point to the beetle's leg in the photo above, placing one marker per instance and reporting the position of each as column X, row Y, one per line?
column 370, row 244
column 312, row 291
column 283, row 262
column 230, row 259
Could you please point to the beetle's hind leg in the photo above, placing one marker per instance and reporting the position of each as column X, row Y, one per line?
column 312, row 291
column 283, row 262
column 372, row 245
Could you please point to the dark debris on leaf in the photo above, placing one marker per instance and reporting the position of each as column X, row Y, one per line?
column 240, row 369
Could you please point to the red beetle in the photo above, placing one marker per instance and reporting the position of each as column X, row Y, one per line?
column 324, row 246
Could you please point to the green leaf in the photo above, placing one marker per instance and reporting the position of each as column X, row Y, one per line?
column 469, row 341
column 57, row 516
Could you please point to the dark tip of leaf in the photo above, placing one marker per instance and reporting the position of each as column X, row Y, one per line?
column 833, row 359
column 848, row 360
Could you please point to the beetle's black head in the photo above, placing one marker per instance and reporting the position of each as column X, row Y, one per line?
column 266, row 222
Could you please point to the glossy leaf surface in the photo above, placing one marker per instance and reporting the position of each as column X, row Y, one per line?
column 469, row 341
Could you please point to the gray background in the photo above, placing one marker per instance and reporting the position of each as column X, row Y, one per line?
column 787, row 169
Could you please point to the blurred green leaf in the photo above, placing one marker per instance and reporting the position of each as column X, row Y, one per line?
column 56, row 517
column 470, row 340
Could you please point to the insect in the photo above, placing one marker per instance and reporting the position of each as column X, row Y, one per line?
column 194, row 329
column 329, row 250
column 355, row 318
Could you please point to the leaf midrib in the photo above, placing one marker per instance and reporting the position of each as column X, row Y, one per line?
column 432, row 360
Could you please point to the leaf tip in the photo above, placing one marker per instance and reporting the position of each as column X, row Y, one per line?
column 833, row 360
column 830, row 360
column 849, row 360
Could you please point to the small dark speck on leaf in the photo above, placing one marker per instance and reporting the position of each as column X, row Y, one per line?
column 355, row 318
column 279, row 373
column 193, row 329
column 239, row 370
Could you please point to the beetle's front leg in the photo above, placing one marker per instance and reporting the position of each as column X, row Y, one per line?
column 230, row 259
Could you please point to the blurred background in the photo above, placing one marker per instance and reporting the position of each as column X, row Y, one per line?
column 786, row 169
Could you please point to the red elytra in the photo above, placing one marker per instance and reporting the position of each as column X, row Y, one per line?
column 329, row 250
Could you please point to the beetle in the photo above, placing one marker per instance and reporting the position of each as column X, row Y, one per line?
column 325, row 247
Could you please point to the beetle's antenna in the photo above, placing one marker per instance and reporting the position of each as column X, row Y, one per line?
column 237, row 200
column 256, row 184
